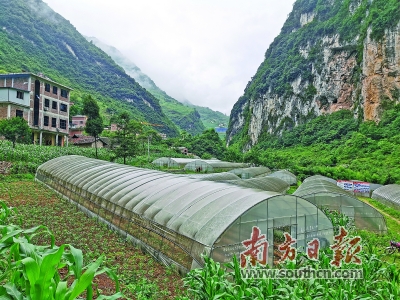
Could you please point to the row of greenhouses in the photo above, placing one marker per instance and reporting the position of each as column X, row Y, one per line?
column 388, row 194
column 177, row 218
column 197, row 165
column 267, row 183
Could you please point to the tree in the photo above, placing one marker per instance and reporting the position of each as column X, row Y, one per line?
column 208, row 142
column 94, row 124
column 148, row 136
column 15, row 130
column 125, row 142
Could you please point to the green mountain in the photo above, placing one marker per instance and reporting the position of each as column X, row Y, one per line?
column 36, row 39
column 329, row 56
column 211, row 118
column 186, row 118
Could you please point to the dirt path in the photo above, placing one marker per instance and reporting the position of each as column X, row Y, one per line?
column 382, row 212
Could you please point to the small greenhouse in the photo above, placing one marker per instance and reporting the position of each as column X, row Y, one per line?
column 314, row 177
column 165, row 162
column 388, row 194
column 246, row 173
column 171, row 162
column 212, row 166
column 175, row 162
column 326, row 194
column 271, row 184
column 285, row 175
column 176, row 218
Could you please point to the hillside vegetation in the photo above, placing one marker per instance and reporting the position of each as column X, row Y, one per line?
column 296, row 75
column 211, row 118
column 337, row 146
column 36, row 39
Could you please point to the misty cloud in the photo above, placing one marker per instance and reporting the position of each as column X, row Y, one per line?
column 201, row 51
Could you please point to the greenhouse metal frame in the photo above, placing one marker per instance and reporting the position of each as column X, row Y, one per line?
column 388, row 195
column 177, row 219
column 326, row 194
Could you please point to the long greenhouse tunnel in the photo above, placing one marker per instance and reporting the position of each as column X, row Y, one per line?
column 176, row 218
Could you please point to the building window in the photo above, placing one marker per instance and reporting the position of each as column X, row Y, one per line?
column 64, row 93
column 54, row 105
column 53, row 122
column 47, row 87
column 63, row 107
column 46, row 121
column 19, row 113
column 20, row 95
column 46, row 103
column 55, row 90
column 63, row 124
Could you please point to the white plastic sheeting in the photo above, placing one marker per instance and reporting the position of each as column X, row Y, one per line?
column 178, row 217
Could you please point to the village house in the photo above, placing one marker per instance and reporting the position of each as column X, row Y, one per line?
column 86, row 141
column 77, row 125
column 43, row 103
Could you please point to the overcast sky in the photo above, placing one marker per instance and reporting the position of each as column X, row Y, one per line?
column 204, row 51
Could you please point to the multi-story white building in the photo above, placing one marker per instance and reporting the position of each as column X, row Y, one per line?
column 39, row 100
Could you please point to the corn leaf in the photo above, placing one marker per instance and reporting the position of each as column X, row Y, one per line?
column 85, row 280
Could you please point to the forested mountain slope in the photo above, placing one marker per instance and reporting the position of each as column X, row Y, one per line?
column 329, row 56
column 36, row 39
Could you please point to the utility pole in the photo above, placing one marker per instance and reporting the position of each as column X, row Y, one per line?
column 148, row 148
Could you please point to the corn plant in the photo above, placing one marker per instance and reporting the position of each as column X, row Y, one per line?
column 339, row 219
column 380, row 281
column 30, row 271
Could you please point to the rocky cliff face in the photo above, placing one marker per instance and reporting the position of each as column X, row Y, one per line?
column 321, row 70
column 381, row 70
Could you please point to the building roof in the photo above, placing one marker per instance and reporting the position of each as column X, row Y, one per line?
column 80, row 139
column 13, row 88
column 29, row 74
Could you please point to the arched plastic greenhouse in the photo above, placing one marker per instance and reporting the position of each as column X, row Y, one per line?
column 271, row 184
column 285, row 175
column 326, row 194
column 164, row 162
column 172, row 162
column 177, row 162
column 388, row 194
column 212, row 166
column 246, row 173
column 176, row 218
column 314, row 177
